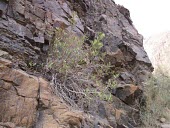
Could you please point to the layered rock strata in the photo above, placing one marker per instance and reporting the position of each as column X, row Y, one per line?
column 26, row 31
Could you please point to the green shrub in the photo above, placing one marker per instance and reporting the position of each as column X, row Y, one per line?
column 65, row 52
column 82, row 76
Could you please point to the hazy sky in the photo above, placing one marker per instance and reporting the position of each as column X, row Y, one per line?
column 149, row 16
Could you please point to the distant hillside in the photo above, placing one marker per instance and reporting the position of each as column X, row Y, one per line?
column 158, row 49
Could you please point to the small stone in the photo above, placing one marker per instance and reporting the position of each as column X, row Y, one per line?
column 3, row 53
column 162, row 120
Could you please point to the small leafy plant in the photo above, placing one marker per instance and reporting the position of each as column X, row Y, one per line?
column 65, row 52
column 97, row 44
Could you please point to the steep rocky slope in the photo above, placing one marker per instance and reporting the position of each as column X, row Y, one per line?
column 26, row 31
column 158, row 49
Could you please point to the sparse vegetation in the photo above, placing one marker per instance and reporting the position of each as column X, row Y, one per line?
column 81, row 76
column 157, row 93
column 65, row 52
column 79, row 71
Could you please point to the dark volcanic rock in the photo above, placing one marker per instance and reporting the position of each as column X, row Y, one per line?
column 26, row 30
column 128, row 93
column 123, row 44
column 26, row 26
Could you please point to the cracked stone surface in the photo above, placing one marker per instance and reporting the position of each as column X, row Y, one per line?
column 27, row 26
column 28, row 101
column 26, row 31
column 18, row 96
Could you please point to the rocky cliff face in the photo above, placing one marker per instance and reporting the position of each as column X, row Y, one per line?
column 26, row 31
column 158, row 51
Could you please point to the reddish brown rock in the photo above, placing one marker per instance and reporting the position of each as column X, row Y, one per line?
column 28, row 101
column 129, row 93
column 18, row 96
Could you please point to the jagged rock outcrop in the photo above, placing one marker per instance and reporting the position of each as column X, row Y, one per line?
column 26, row 28
column 26, row 31
column 29, row 101
column 158, row 49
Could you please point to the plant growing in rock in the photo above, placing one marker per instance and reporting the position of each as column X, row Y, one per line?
column 72, row 19
column 31, row 64
column 77, row 75
column 97, row 44
column 65, row 52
